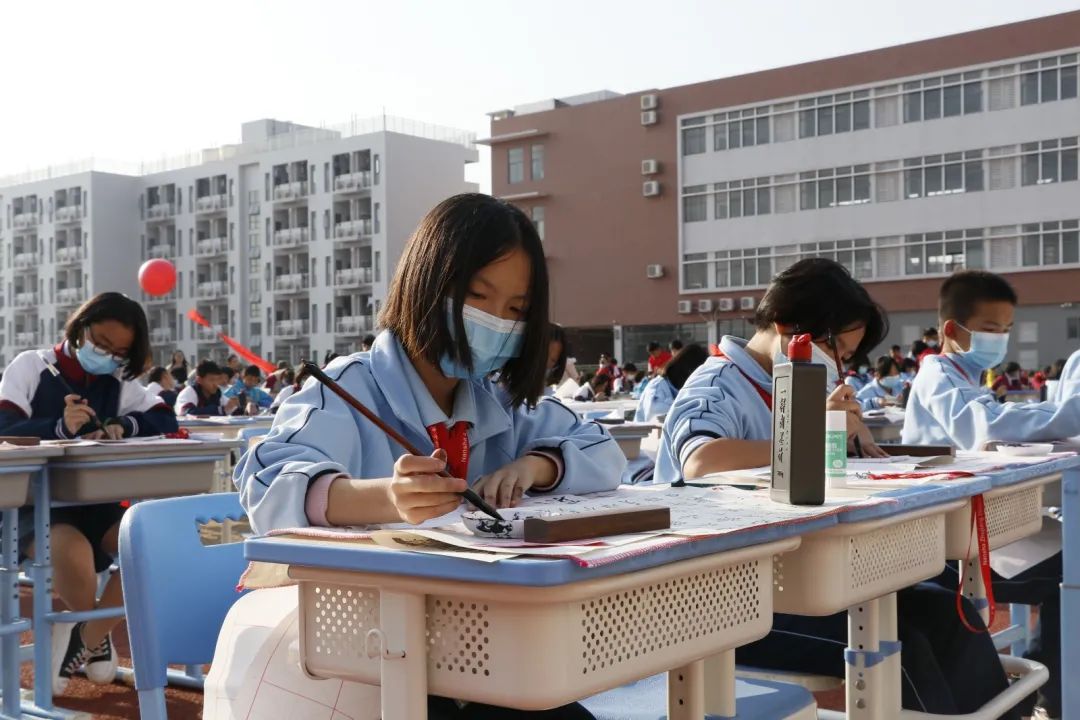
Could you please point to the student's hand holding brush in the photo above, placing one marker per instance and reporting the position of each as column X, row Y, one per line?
column 77, row 413
column 419, row 493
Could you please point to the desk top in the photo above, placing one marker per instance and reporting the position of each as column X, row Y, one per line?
column 224, row 421
column 27, row 455
column 135, row 450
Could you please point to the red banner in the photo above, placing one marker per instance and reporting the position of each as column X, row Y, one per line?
column 265, row 365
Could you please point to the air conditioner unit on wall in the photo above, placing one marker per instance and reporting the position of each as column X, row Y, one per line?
column 649, row 101
column 726, row 305
column 654, row 271
column 704, row 306
column 649, row 167
column 648, row 117
column 686, row 307
column 746, row 303
column 650, row 188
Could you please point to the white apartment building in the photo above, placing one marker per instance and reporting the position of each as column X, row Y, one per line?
column 286, row 241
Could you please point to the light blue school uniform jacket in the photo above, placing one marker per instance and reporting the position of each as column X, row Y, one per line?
column 856, row 382
column 948, row 406
column 316, row 433
column 655, row 400
column 1069, row 382
column 871, row 395
column 717, row 401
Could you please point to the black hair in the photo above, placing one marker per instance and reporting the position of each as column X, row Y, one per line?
column 1012, row 367
column 930, row 332
column 895, row 348
column 683, row 364
column 556, row 333
column 820, row 297
column 629, row 368
column 119, row 307
column 289, row 376
column 601, row 380
column 368, row 340
column 208, row 367
column 252, row 371
column 965, row 289
column 675, row 345
column 458, row 237
column 652, row 346
column 918, row 348
column 156, row 373
column 329, row 357
column 228, row 372
column 909, row 364
column 232, row 356
column 884, row 366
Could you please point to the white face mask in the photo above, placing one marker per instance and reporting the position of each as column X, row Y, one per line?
column 817, row 355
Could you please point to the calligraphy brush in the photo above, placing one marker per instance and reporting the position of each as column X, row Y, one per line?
column 316, row 372
column 70, row 391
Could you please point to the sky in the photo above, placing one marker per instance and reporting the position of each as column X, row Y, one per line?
column 134, row 81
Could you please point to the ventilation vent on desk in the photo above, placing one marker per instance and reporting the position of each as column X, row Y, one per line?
column 341, row 617
column 623, row 626
column 1013, row 514
column 457, row 636
column 895, row 550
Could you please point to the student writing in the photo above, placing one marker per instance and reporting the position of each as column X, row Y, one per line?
column 105, row 348
column 470, row 296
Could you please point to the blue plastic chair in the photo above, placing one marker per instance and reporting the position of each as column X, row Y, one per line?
column 754, row 700
column 176, row 590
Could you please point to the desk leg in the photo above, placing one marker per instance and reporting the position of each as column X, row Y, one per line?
column 686, row 692
column 720, row 684
column 866, row 671
column 890, row 645
column 1070, row 594
column 41, row 572
column 404, row 656
column 9, row 611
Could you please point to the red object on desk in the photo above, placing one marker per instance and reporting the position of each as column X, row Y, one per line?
column 955, row 475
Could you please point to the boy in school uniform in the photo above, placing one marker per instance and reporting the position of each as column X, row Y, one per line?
column 948, row 406
column 722, row 420
column 205, row 395
column 250, row 397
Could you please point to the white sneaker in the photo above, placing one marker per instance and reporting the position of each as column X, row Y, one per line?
column 68, row 654
column 101, row 664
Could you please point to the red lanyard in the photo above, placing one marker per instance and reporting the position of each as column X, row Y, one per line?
column 455, row 442
column 978, row 528
column 765, row 396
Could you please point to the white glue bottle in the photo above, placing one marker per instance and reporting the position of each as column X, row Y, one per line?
column 836, row 448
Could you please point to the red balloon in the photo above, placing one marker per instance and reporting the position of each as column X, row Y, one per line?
column 157, row 277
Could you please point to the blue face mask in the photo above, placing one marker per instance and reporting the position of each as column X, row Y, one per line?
column 987, row 349
column 94, row 360
column 493, row 342
column 907, row 377
column 891, row 382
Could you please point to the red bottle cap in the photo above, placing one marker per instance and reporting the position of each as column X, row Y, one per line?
column 799, row 349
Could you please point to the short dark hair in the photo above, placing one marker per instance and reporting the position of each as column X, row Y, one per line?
column 918, row 348
column 680, row 367
column 930, row 332
column 232, row 356
column 652, row 346
column 909, row 364
column 156, row 374
column 820, row 297
column 963, row 290
column 228, row 372
column 629, row 368
column 368, row 340
column 895, row 348
column 556, row 333
column 253, row 371
column 458, row 237
column 1012, row 366
column 885, row 365
column 675, row 345
column 208, row 367
column 119, row 307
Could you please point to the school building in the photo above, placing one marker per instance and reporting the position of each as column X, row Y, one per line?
column 666, row 212
column 286, row 241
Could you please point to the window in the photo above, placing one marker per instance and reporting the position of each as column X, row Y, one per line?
column 695, row 271
column 693, row 137
column 940, row 97
column 516, row 163
column 538, row 220
column 849, row 185
column 1050, row 161
column 537, row 156
column 1048, row 79
column 1072, row 328
column 695, row 207
column 740, row 198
